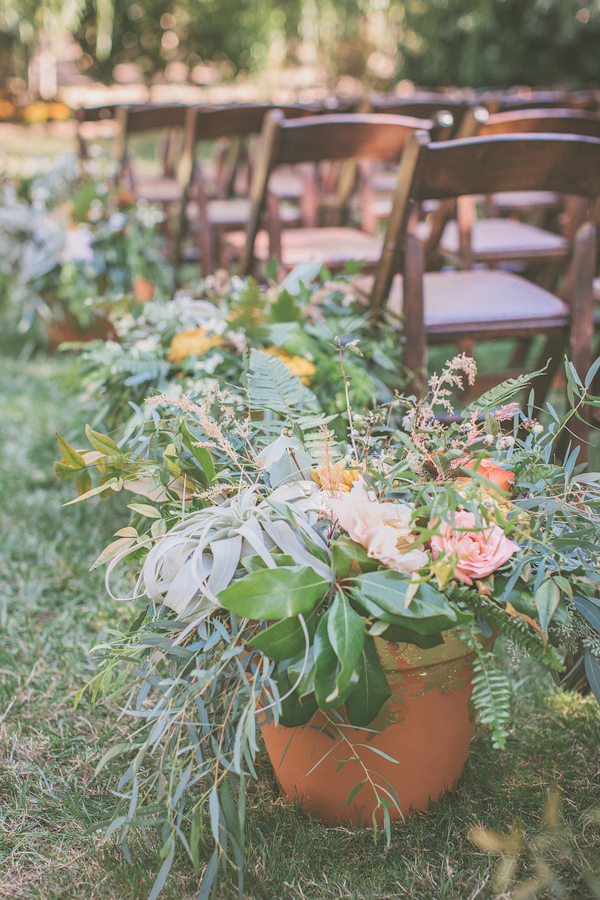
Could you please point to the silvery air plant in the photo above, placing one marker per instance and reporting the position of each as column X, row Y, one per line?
column 267, row 558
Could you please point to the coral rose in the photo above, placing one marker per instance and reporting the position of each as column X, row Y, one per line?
column 478, row 551
column 383, row 529
column 488, row 468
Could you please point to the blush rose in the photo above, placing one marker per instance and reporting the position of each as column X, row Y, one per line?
column 478, row 551
column 383, row 529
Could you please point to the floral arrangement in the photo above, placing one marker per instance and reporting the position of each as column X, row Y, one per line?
column 74, row 248
column 201, row 338
column 269, row 558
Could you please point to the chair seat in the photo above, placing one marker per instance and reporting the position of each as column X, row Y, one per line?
column 523, row 200
column 471, row 302
column 286, row 184
column 158, row 190
column 235, row 212
column 333, row 246
column 505, row 239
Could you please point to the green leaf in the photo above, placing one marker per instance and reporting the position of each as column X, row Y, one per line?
column 83, row 482
column 285, row 308
column 144, row 509
column 385, row 595
column 350, row 559
column 328, row 677
column 346, row 633
column 372, row 690
column 70, row 456
column 284, row 639
column 200, row 454
column 274, row 593
column 295, row 710
column 546, row 599
column 102, row 443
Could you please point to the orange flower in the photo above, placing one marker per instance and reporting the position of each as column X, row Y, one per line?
column 296, row 365
column 486, row 467
column 194, row 342
column 334, row 477
column 143, row 290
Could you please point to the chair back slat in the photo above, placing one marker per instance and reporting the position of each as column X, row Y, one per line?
column 346, row 136
column 567, row 164
column 240, row 120
column 554, row 121
column 155, row 118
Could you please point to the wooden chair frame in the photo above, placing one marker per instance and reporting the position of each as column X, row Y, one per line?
column 368, row 136
column 565, row 164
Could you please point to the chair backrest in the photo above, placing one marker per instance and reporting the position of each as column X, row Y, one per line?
column 548, row 121
column 240, row 119
column 566, row 164
column 368, row 136
column 138, row 119
column 423, row 107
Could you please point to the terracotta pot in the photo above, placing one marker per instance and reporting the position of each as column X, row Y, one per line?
column 426, row 726
column 60, row 332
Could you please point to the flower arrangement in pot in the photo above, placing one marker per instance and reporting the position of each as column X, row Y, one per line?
column 332, row 596
column 201, row 337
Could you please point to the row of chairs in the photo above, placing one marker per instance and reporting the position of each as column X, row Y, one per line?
column 553, row 151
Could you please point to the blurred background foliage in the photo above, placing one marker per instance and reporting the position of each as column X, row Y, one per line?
column 495, row 43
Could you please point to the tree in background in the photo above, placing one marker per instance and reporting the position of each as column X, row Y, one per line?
column 494, row 43
column 498, row 43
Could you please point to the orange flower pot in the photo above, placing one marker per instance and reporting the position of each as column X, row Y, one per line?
column 426, row 725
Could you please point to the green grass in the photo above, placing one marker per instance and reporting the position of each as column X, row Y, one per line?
column 52, row 611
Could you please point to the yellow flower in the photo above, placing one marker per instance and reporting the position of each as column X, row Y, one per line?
column 296, row 365
column 194, row 342
column 334, row 477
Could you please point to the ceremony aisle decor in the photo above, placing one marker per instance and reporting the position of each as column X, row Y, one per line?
column 200, row 337
column 330, row 593
column 74, row 248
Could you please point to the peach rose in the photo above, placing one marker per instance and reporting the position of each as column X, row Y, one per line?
column 486, row 467
column 478, row 551
column 383, row 529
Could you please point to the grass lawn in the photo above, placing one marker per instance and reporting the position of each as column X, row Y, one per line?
column 52, row 611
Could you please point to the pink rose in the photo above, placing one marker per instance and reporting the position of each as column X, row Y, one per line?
column 479, row 551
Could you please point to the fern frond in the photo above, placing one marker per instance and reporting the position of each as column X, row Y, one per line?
column 501, row 394
column 271, row 386
column 491, row 694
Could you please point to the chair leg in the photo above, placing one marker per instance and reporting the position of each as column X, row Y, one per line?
column 415, row 348
column 582, row 324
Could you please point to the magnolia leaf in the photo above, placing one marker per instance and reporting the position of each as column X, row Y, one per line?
column 350, row 559
column 372, row 690
column 332, row 685
column 346, row 632
column 274, row 593
column 295, row 710
column 383, row 595
column 546, row 599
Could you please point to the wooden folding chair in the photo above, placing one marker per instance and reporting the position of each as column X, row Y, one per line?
column 496, row 239
column 211, row 213
column 446, row 307
column 327, row 137
column 168, row 121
